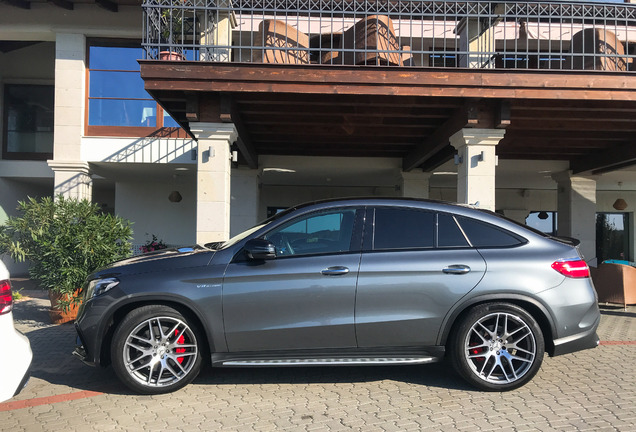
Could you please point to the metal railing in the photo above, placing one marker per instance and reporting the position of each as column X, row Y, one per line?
column 470, row 34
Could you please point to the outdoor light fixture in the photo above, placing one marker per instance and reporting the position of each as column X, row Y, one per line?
column 620, row 204
column 543, row 215
column 175, row 196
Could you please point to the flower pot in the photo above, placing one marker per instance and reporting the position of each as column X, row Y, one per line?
column 170, row 55
column 57, row 314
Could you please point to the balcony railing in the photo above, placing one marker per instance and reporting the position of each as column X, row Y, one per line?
column 409, row 33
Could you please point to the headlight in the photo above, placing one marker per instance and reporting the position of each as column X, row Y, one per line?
column 100, row 286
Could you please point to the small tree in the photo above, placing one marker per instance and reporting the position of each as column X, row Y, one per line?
column 65, row 240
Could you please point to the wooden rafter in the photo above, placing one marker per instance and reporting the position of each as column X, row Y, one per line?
column 598, row 162
column 22, row 4
column 108, row 5
column 64, row 4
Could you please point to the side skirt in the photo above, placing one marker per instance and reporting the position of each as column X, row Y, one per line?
column 323, row 358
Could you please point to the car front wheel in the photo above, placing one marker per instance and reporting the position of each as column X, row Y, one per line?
column 497, row 347
column 156, row 350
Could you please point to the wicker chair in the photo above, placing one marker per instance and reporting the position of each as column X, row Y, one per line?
column 615, row 283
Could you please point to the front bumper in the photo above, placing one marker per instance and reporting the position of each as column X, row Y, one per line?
column 80, row 351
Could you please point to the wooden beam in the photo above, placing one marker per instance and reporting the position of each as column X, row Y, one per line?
column 64, row 4
column 108, row 5
column 387, row 81
column 606, row 160
column 474, row 114
column 502, row 114
column 192, row 107
column 513, row 134
column 437, row 141
column 22, row 4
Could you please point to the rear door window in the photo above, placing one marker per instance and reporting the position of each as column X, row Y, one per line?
column 400, row 228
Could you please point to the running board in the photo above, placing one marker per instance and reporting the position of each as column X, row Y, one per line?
column 331, row 361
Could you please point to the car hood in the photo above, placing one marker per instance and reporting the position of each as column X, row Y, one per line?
column 162, row 260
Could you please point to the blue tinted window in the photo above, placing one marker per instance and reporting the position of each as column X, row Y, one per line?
column 169, row 121
column 115, row 58
column 116, row 95
column 110, row 84
column 118, row 112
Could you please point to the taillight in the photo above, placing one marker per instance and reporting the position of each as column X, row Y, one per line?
column 574, row 268
column 6, row 299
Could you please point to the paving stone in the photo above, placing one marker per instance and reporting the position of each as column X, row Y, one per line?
column 591, row 390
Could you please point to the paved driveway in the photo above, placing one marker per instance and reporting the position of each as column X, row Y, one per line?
column 590, row 390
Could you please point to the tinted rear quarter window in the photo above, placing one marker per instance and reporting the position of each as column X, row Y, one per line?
column 397, row 228
column 482, row 234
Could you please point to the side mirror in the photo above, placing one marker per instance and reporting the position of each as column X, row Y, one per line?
column 260, row 249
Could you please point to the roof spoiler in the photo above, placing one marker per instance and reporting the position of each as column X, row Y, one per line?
column 568, row 240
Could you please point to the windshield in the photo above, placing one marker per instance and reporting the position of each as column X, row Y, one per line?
column 237, row 238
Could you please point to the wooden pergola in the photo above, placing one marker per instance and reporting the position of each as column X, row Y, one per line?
column 585, row 117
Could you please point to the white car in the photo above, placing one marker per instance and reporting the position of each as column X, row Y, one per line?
column 15, row 350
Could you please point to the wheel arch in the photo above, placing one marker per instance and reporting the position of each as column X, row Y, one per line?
column 122, row 309
column 535, row 308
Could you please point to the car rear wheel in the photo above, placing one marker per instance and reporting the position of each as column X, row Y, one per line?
column 156, row 350
column 497, row 347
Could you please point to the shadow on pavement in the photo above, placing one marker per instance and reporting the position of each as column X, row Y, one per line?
column 432, row 375
column 53, row 362
column 615, row 310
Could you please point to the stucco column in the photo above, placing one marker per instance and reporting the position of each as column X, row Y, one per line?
column 415, row 184
column 70, row 76
column 245, row 199
column 576, row 211
column 72, row 174
column 476, row 165
column 213, row 180
column 72, row 179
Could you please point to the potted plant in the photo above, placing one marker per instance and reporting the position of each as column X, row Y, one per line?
column 172, row 21
column 64, row 240
column 153, row 245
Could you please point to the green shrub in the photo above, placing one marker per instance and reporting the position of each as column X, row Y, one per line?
column 65, row 240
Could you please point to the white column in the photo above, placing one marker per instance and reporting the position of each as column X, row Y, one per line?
column 576, row 211
column 415, row 184
column 70, row 76
column 72, row 179
column 476, row 168
column 245, row 199
column 72, row 175
column 213, row 180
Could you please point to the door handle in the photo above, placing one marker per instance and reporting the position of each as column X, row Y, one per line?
column 457, row 269
column 335, row 271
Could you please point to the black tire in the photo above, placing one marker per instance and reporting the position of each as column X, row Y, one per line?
column 497, row 347
column 155, row 350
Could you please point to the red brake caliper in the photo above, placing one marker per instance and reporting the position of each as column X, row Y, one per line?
column 475, row 351
column 180, row 341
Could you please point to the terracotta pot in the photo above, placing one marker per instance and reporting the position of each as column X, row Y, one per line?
column 169, row 55
column 59, row 316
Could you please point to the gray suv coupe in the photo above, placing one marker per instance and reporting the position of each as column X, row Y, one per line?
column 346, row 282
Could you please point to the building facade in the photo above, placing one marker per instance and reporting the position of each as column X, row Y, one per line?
column 210, row 117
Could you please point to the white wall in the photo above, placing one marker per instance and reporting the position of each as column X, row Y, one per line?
column 12, row 191
column 147, row 204
column 33, row 64
column 287, row 196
